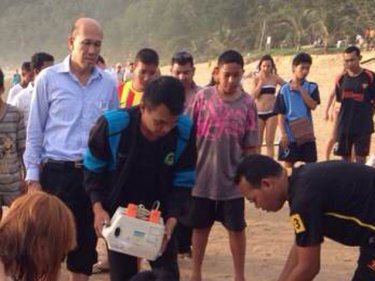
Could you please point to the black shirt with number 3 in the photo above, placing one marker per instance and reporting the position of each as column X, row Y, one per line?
column 333, row 199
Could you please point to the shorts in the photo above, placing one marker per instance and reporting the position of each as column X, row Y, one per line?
column 66, row 183
column 292, row 153
column 231, row 213
column 366, row 265
column 344, row 144
column 7, row 199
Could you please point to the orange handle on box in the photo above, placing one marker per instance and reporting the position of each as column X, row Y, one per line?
column 154, row 216
column 132, row 210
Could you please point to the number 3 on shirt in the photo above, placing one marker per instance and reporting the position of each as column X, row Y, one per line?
column 297, row 223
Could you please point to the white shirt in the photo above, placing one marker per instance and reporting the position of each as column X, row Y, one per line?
column 13, row 92
column 23, row 100
column 62, row 112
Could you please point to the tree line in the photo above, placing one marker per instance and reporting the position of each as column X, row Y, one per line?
column 204, row 27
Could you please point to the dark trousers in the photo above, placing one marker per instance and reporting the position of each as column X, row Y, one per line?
column 183, row 234
column 123, row 267
column 183, row 230
column 66, row 182
column 365, row 270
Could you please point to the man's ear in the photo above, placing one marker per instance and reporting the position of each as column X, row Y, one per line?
column 266, row 183
column 69, row 41
column 215, row 71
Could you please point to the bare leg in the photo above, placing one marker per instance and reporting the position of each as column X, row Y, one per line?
column 261, row 127
column 199, row 243
column 237, row 241
column 329, row 146
column 271, row 126
column 332, row 139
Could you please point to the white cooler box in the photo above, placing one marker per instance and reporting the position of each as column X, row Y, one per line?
column 133, row 236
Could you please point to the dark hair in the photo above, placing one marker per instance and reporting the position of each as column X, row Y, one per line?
column 100, row 59
column 1, row 80
column 352, row 49
column 154, row 275
column 26, row 66
column 38, row 60
column 302, row 58
column 268, row 58
column 230, row 56
column 165, row 90
column 256, row 167
column 147, row 56
column 182, row 58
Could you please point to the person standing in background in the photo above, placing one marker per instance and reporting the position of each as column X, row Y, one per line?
column 67, row 99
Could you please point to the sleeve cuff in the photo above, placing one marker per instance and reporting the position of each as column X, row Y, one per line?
column 32, row 174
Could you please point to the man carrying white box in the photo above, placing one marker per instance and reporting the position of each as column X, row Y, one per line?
column 140, row 155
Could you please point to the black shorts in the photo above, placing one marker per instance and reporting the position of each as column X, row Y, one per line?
column 231, row 213
column 292, row 153
column 344, row 144
column 266, row 116
column 66, row 183
column 366, row 264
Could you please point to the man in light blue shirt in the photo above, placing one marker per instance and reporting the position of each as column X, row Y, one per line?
column 66, row 101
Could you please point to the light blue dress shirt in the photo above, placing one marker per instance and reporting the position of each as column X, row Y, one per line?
column 62, row 113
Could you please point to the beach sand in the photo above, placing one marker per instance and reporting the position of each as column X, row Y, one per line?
column 270, row 235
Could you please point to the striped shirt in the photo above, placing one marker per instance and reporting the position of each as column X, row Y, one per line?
column 129, row 96
column 12, row 145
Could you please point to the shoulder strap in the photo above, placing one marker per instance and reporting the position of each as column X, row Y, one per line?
column 117, row 120
column 184, row 125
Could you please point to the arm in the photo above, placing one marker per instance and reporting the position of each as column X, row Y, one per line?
column 307, row 99
column 255, row 87
column 34, row 139
column 283, row 135
column 303, row 264
column 20, row 139
column 251, row 138
column 280, row 80
column 95, row 160
column 183, row 176
column 329, row 105
column 280, row 109
column 114, row 102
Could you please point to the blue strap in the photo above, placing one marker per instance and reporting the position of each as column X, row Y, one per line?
column 184, row 126
column 117, row 121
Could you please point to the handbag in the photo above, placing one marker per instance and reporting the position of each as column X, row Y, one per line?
column 302, row 130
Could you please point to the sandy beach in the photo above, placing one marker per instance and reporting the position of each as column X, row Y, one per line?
column 270, row 235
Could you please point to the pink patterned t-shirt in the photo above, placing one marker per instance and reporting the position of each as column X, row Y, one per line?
column 225, row 128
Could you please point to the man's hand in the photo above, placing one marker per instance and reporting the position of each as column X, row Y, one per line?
column 294, row 85
column 33, row 186
column 101, row 218
column 168, row 231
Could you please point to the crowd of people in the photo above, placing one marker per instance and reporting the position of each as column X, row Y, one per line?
column 78, row 140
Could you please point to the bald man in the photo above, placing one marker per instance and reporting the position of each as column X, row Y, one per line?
column 67, row 99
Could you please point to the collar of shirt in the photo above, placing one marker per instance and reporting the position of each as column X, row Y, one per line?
column 64, row 67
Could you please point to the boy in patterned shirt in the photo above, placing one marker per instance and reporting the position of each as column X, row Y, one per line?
column 12, row 145
column 225, row 120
